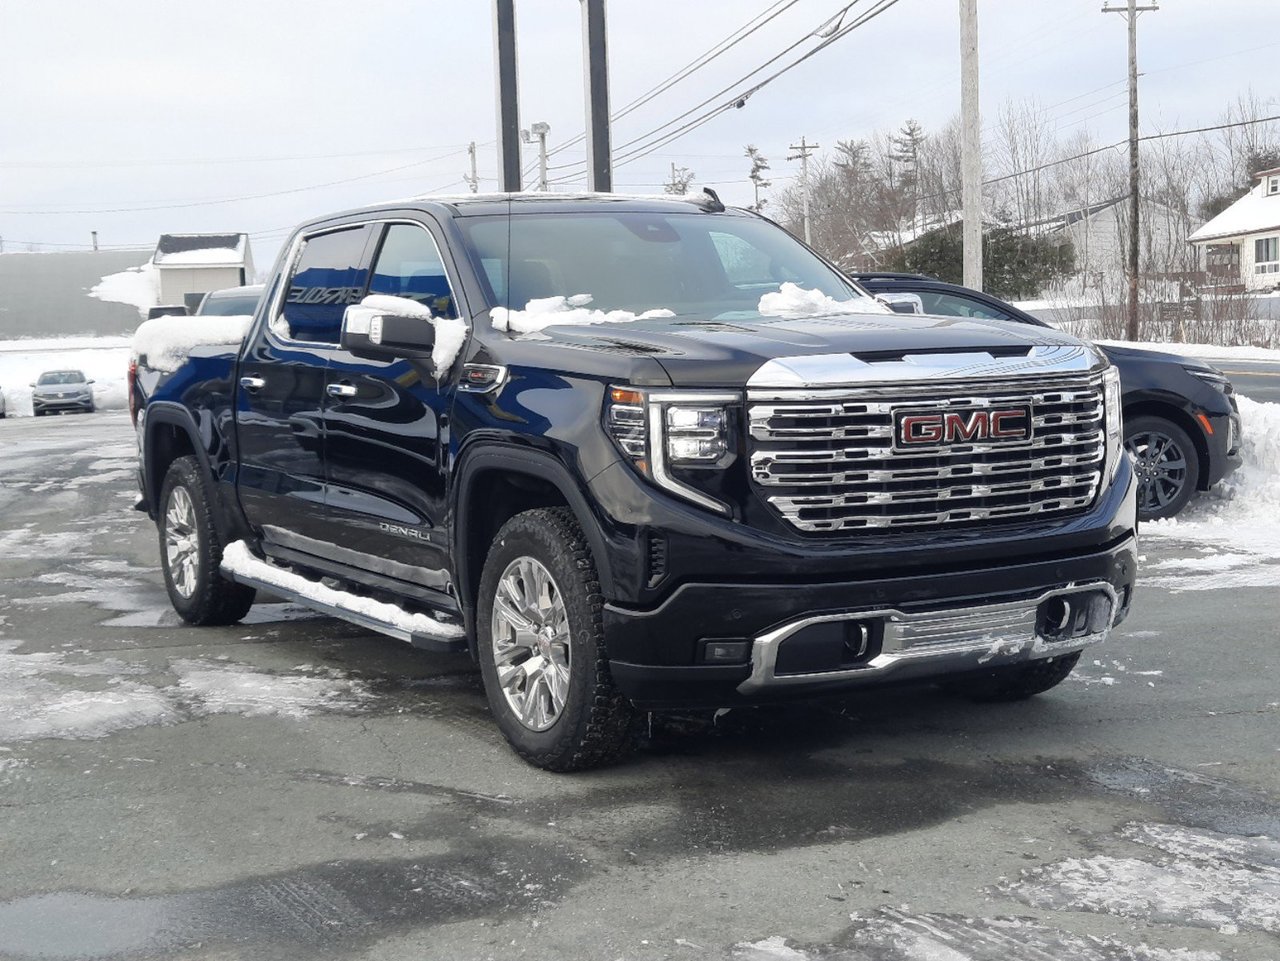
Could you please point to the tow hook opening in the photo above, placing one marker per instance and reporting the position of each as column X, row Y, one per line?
column 1067, row 616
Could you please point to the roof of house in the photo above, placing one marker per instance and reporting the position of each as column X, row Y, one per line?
column 201, row 250
column 1266, row 173
column 1254, row 213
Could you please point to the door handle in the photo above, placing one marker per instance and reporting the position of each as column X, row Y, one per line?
column 341, row 390
column 253, row 384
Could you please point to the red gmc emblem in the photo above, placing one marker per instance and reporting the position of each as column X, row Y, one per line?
column 937, row 428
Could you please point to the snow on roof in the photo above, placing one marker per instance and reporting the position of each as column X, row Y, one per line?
column 1254, row 213
column 201, row 250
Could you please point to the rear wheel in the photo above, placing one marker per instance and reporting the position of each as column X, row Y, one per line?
column 1166, row 463
column 191, row 550
column 1016, row 682
column 542, row 652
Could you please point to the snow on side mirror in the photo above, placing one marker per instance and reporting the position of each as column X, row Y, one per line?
column 902, row 303
column 383, row 327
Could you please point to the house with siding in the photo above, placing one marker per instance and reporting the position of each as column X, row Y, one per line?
column 1240, row 248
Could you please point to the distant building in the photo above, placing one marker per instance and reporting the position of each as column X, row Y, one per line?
column 194, row 264
column 1241, row 246
column 47, row 294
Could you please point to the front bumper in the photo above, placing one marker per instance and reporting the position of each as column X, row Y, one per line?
column 48, row 404
column 916, row 628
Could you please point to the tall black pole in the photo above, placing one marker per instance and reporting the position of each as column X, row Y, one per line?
column 596, row 57
column 504, row 34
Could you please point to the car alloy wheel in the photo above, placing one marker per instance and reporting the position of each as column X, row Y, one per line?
column 1161, row 467
column 182, row 541
column 531, row 643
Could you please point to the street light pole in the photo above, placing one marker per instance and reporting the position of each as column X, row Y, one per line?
column 971, row 144
column 596, row 64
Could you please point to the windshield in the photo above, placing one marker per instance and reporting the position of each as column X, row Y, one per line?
column 229, row 305
column 61, row 377
column 692, row 264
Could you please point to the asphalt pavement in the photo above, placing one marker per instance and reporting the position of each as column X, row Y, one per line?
column 1256, row 379
column 291, row 787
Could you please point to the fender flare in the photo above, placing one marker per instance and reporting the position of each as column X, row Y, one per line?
column 510, row 458
column 226, row 512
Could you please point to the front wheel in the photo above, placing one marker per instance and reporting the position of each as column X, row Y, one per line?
column 191, row 550
column 1166, row 464
column 541, row 644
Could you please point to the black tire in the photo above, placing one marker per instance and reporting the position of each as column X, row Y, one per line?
column 1016, row 682
column 37, row 413
column 197, row 590
column 593, row 725
column 1167, row 465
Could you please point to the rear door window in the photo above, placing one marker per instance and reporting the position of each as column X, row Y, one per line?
column 332, row 273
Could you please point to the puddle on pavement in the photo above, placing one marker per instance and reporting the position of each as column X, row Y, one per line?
column 325, row 908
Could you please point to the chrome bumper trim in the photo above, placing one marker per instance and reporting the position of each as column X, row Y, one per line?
column 953, row 639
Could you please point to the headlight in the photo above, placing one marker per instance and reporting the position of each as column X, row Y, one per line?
column 1111, row 404
column 661, row 432
column 1215, row 379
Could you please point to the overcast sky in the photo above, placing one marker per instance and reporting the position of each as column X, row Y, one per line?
column 111, row 107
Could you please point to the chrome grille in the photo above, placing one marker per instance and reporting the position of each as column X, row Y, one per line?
column 826, row 460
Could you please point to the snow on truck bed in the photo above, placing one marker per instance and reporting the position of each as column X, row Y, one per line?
column 166, row 342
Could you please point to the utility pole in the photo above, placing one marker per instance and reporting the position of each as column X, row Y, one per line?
column 1130, row 12
column 472, row 180
column 94, row 235
column 504, row 35
column 540, row 131
column 596, row 65
column 971, row 144
column 803, row 151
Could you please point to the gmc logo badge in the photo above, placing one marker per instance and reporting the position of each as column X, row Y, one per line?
column 936, row 428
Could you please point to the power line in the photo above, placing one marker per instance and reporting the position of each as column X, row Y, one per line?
column 751, row 26
column 232, row 200
column 203, row 161
column 739, row 99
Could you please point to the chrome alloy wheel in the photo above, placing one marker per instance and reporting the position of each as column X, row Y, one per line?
column 1161, row 466
column 182, row 541
column 531, row 643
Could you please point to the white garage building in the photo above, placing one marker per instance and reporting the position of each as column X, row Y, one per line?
column 194, row 264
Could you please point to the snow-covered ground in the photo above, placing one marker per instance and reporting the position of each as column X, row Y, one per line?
column 104, row 360
column 1232, row 533
column 1202, row 351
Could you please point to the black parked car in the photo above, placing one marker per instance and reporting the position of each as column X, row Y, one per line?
column 1181, row 422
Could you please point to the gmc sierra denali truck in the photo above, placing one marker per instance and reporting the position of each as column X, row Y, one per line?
column 636, row 454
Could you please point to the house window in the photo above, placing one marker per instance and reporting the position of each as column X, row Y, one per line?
column 1273, row 186
column 1266, row 256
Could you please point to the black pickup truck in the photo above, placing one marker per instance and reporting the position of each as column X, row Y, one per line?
column 636, row 454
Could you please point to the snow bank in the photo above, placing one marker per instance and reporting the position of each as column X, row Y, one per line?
column 793, row 302
column 104, row 360
column 166, row 342
column 564, row 312
column 237, row 559
column 451, row 332
column 1235, row 526
column 138, row 286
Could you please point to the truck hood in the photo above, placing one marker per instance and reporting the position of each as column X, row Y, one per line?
column 730, row 352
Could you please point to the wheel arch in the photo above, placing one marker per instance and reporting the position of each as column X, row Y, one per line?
column 1184, row 420
column 171, row 431
column 494, row 484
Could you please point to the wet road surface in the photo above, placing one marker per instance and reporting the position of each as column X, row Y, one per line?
column 293, row 788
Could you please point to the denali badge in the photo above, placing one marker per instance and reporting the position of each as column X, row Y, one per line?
column 936, row 428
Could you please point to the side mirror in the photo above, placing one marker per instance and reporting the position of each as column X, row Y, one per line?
column 89, row 381
column 384, row 327
column 902, row 303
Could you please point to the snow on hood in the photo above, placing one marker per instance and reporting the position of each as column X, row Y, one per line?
column 565, row 312
column 166, row 342
column 451, row 332
column 793, row 302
